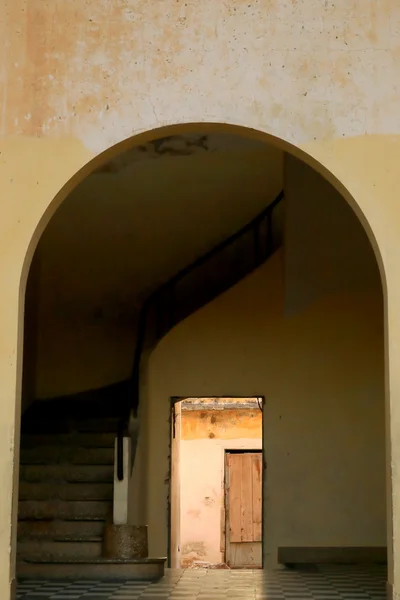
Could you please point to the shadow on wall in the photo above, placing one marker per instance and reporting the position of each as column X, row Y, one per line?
column 322, row 374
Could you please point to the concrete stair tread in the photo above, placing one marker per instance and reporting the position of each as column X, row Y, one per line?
column 65, row 510
column 77, row 538
column 95, row 539
column 73, row 539
column 70, row 424
column 150, row 569
column 34, row 530
column 91, row 561
column 65, row 491
column 60, row 550
column 67, row 473
column 83, row 440
column 73, row 455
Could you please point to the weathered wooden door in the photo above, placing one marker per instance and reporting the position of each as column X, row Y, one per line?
column 243, row 510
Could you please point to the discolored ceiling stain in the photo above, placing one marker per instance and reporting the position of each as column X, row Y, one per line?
column 177, row 146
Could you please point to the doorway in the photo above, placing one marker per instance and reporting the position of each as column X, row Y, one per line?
column 215, row 485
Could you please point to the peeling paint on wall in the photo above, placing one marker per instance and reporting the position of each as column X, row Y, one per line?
column 103, row 71
column 224, row 424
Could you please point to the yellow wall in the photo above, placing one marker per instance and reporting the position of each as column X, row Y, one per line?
column 227, row 424
column 322, row 374
column 326, row 247
column 322, row 76
column 364, row 169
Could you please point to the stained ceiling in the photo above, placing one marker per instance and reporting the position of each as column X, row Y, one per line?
column 149, row 212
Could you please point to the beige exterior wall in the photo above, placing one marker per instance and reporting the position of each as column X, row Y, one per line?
column 312, row 70
column 205, row 436
column 321, row 372
column 80, row 77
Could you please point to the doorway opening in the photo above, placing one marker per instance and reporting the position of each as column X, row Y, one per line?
column 217, row 476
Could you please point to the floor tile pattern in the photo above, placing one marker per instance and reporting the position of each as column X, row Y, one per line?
column 323, row 583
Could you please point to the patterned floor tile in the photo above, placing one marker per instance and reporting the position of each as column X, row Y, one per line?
column 326, row 583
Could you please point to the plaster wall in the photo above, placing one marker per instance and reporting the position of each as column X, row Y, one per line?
column 205, row 436
column 77, row 78
column 326, row 247
column 321, row 372
column 102, row 70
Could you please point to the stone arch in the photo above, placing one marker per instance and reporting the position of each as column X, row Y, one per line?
column 307, row 156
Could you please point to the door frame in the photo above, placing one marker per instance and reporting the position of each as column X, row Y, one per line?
column 173, row 511
column 170, row 508
column 224, row 521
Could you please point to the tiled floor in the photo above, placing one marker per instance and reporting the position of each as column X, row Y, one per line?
column 326, row 583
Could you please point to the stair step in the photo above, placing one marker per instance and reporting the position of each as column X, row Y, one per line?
column 65, row 510
column 58, row 550
column 54, row 530
column 66, row 486
column 67, row 425
column 109, row 425
column 149, row 569
column 78, row 538
column 65, row 491
column 83, row 440
column 45, row 455
column 67, row 473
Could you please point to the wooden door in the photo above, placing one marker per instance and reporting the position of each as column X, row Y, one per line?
column 243, row 510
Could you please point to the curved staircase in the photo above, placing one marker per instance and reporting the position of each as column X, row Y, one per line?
column 68, row 469
column 66, row 489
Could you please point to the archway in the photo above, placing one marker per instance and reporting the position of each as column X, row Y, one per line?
column 170, row 131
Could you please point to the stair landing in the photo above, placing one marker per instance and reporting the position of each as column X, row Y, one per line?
column 145, row 569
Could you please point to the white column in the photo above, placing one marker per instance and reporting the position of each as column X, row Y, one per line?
column 121, row 488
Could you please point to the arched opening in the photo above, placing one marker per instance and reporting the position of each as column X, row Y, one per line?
column 127, row 234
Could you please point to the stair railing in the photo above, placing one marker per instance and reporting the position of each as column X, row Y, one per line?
column 263, row 246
